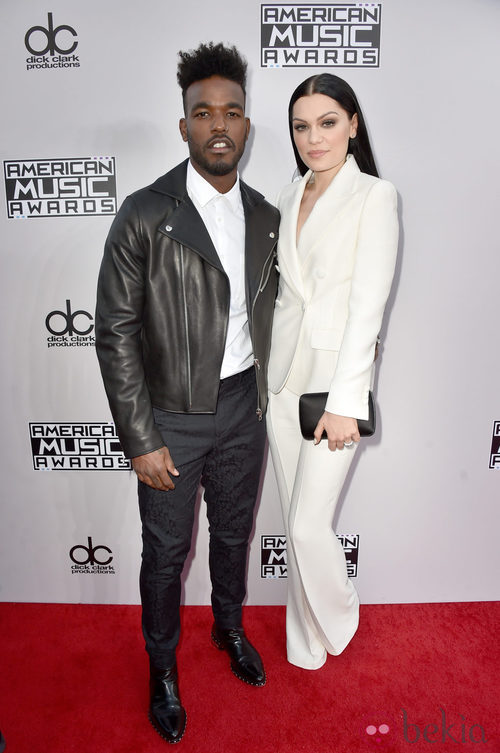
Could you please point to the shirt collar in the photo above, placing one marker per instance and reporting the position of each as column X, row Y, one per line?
column 203, row 191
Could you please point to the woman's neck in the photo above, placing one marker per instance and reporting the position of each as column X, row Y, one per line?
column 322, row 179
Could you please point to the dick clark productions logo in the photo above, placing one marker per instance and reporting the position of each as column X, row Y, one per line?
column 69, row 329
column 51, row 46
column 91, row 560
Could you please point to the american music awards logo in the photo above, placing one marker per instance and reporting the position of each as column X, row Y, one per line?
column 495, row 446
column 66, row 187
column 341, row 35
column 273, row 560
column 76, row 447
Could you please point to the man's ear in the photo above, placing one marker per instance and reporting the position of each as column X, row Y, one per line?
column 183, row 129
column 247, row 120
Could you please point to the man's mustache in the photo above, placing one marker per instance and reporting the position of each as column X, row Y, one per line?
column 216, row 139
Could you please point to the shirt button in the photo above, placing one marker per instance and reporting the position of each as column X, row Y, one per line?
column 320, row 273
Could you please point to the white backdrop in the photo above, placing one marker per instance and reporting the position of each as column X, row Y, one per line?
column 422, row 497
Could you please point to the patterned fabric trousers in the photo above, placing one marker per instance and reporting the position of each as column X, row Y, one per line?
column 224, row 452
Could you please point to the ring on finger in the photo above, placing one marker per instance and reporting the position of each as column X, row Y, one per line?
column 349, row 444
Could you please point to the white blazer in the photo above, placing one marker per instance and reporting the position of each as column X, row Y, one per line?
column 333, row 288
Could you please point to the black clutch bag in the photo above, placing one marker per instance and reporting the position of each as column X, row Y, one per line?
column 312, row 407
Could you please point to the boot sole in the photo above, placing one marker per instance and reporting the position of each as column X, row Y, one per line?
column 234, row 670
column 162, row 733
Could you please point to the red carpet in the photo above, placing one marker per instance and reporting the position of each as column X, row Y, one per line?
column 420, row 678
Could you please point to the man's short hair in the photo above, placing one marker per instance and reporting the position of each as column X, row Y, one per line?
column 211, row 60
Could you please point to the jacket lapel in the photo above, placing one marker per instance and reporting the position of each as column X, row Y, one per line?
column 327, row 210
column 184, row 225
column 289, row 259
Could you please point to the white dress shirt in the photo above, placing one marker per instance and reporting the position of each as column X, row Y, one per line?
column 224, row 219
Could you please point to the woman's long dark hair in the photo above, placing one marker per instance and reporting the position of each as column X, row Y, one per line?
column 338, row 89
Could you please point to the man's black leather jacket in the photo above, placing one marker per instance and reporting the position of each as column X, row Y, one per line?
column 163, row 307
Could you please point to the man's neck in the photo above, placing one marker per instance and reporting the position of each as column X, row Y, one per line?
column 221, row 183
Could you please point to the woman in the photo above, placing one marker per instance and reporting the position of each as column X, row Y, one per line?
column 336, row 255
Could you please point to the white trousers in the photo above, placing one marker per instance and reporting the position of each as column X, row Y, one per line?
column 323, row 606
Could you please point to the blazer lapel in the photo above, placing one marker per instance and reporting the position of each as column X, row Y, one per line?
column 288, row 256
column 328, row 208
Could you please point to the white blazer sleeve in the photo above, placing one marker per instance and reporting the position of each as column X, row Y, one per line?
column 375, row 260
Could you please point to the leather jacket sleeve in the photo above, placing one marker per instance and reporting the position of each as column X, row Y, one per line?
column 118, row 326
column 163, row 302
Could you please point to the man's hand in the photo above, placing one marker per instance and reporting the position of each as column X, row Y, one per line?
column 341, row 430
column 153, row 469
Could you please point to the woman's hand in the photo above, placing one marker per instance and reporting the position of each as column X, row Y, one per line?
column 341, row 430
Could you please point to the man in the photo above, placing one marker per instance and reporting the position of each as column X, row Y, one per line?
column 183, row 323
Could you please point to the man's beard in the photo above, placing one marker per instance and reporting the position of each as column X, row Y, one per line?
column 218, row 167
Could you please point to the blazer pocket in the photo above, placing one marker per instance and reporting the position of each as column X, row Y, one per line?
column 326, row 339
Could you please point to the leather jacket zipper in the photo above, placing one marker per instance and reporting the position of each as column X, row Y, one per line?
column 266, row 271
column 186, row 324
column 263, row 282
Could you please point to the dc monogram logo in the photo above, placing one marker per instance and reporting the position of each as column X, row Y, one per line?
column 88, row 555
column 49, row 36
column 68, row 319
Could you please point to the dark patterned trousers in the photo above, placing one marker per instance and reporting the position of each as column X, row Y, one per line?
column 224, row 452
